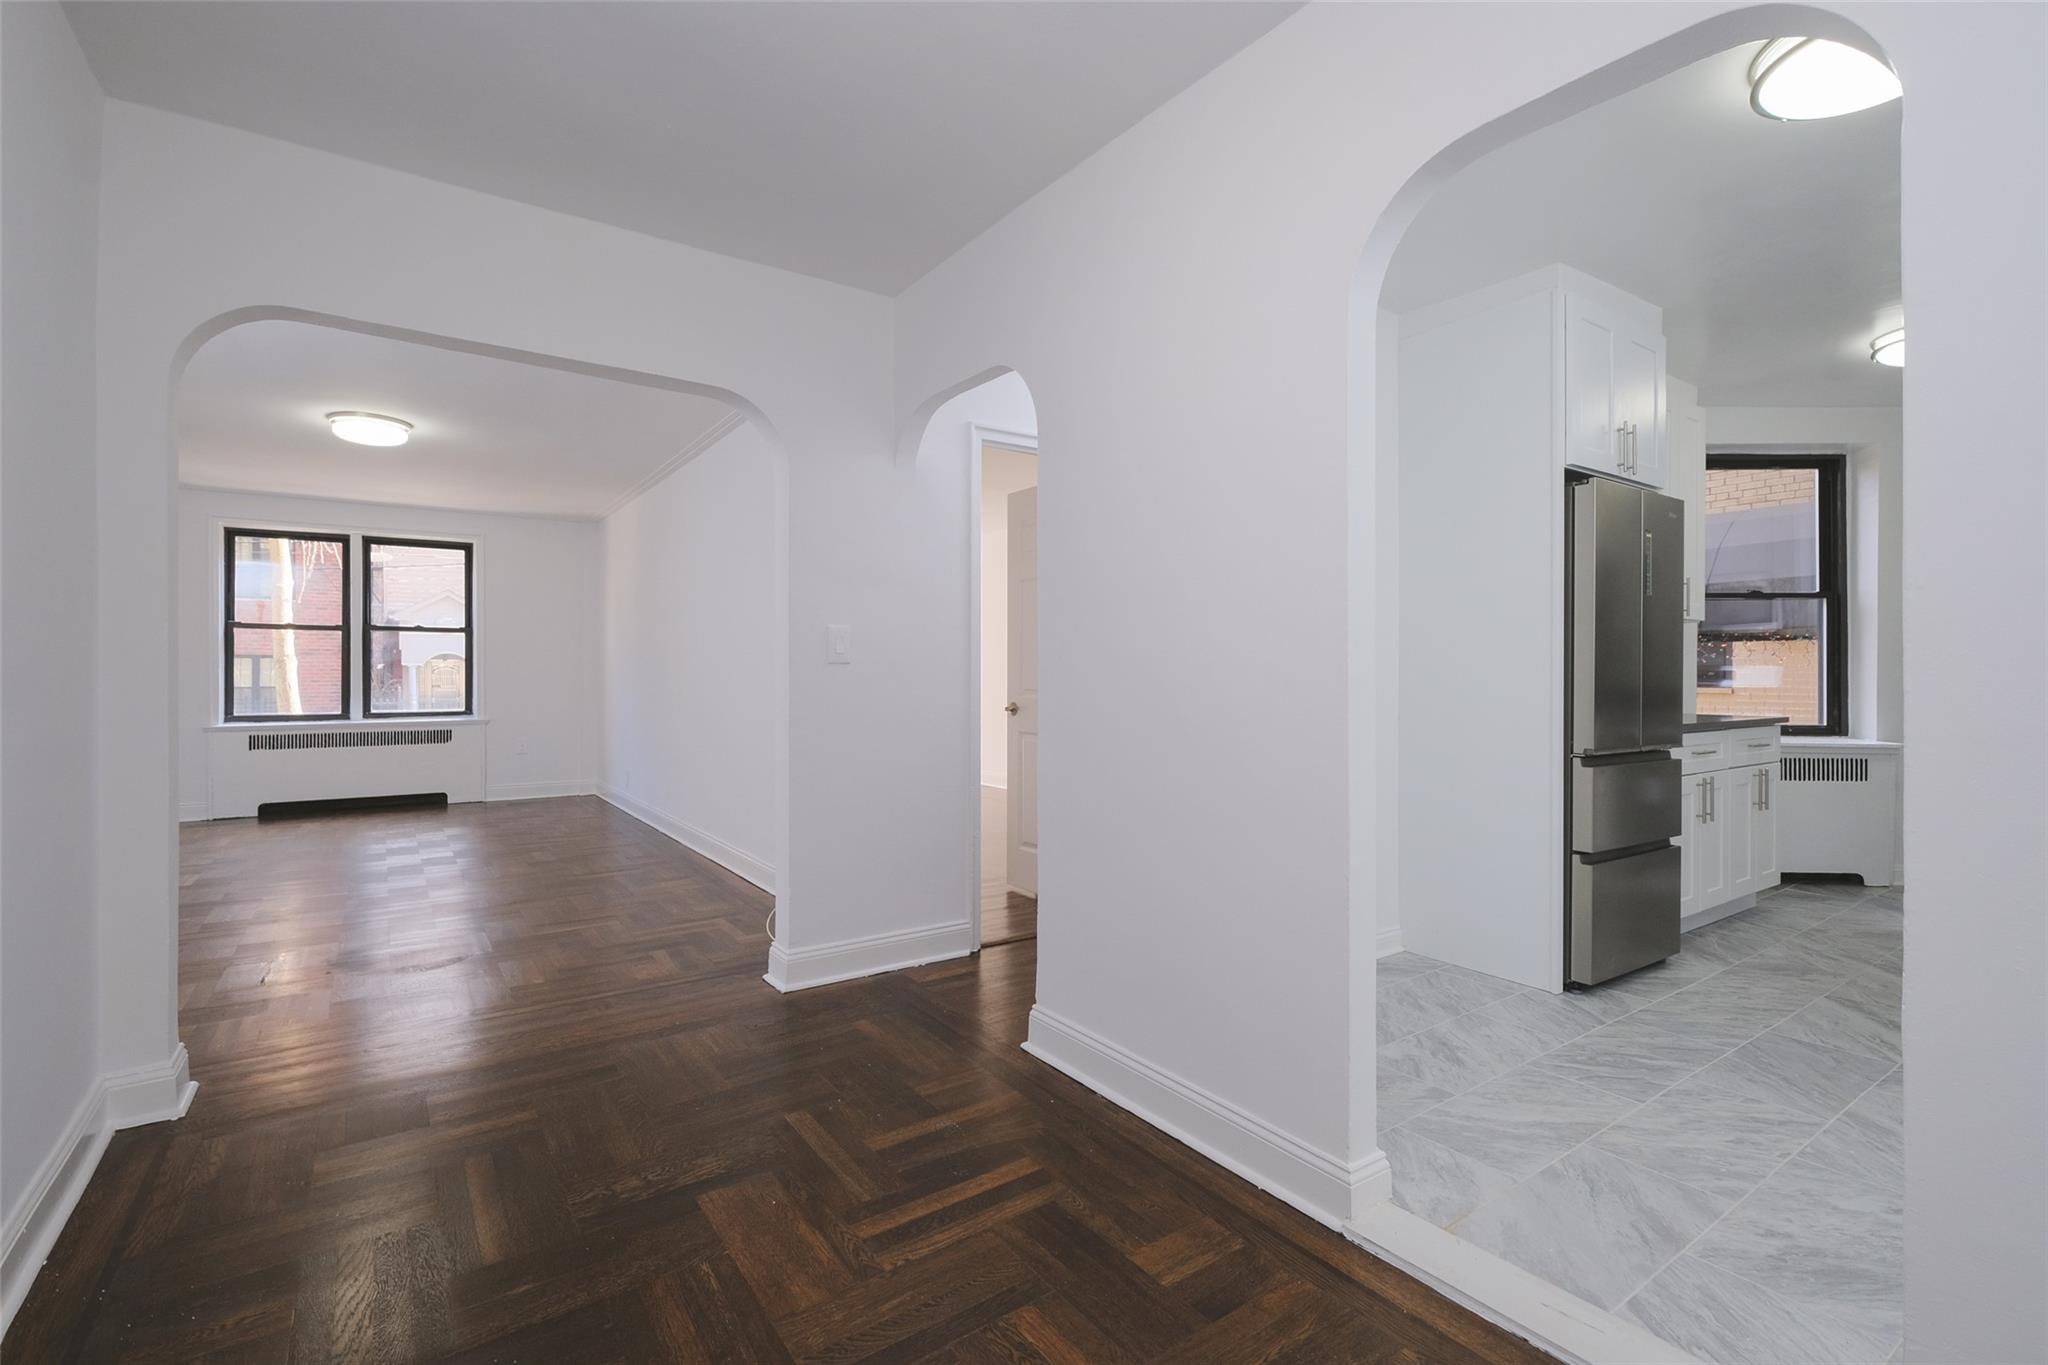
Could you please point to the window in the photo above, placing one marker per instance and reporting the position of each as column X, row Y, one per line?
column 1772, row 640
column 286, row 626
column 418, row 626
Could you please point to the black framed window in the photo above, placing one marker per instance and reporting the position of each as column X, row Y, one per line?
column 285, row 625
column 1772, row 642
column 419, row 627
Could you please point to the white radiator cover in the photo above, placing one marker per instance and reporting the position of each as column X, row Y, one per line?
column 1837, row 802
column 247, row 765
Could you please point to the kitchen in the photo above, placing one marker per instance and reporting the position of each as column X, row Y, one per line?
column 1647, row 596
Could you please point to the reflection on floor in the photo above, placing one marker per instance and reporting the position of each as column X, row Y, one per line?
column 1712, row 1147
column 1005, row 915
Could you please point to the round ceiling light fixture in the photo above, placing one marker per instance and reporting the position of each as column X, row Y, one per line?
column 369, row 428
column 1889, row 348
column 1795, row 79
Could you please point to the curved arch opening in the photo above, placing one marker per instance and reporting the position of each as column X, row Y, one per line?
column 612, row 616
column 1468, row 384
column 982, row 435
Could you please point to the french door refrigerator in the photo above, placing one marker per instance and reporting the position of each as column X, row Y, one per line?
column 1624, row 680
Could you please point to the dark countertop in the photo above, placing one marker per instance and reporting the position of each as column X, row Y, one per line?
column 1704, row 723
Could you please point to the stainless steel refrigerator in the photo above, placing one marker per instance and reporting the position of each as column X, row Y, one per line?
column 1624, row 680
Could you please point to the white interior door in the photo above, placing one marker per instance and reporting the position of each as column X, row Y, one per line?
column 1023, row 704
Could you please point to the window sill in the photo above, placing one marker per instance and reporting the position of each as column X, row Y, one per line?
column 395, row 722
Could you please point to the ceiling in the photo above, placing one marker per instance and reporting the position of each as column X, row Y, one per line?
column 857, row 142
column 1773, row 248
column 489, row 435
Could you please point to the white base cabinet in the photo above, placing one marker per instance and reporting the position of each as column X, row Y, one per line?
column 1728, row 850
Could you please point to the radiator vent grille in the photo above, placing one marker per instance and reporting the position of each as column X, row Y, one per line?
column 1807, row 768
column 348, row 739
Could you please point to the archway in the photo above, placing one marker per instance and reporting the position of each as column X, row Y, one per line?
column 434, row 671
column 1381, row 830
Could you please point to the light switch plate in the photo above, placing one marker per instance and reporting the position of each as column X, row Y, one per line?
column 839, row 644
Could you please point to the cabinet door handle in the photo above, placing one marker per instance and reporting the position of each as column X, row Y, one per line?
column 1713, row 800
column 1766, row 776
column 1621, row 448
column 1702, row 802
column 1688, row 597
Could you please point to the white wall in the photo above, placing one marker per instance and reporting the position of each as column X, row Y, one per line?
column 1874, row 439
column 691, row 666
column 1003, row 472
column 537, row 641
column 49, row 201
column 1182, row 306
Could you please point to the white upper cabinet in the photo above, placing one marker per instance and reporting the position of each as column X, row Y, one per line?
column 1614, row 398
column 1555, row 359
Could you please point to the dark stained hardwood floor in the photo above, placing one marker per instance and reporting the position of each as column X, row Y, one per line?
column 503, row 1084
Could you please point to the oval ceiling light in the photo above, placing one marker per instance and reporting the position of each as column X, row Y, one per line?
column 1889, row 348
column 1794, row 79
column 369, row 429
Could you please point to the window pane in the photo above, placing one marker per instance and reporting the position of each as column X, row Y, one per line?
column 1762, row 657
column 287, row 672
column 416, row 670
column 418, row 585
column 1763, row 530
column 285, row 579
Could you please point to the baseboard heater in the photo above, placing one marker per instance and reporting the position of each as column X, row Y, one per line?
column 342, row 805
column 276, row 771
column 1837, row 803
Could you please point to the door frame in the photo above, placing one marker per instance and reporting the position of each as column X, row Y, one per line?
column 977, row 437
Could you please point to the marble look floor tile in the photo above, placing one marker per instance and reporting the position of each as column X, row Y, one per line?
column 1625, row 995
column 1399, row 1096
column 1477, row 987
column 1721, row 1141
column 1729, row 1013
column 1724, row 1318
column 1521, row 1122
column 1634, row 1059
column 1465, row 1052
column 1592, row 1224
column 1861, row 1016
column 1411, row 1004
column 1819, row 1239
column 1408, row 1005
column 1733, row 939
column 1820, row 1080
column 1868, row 1139
column 1863, row 944
column 1551, row 1020
column 1795, row 913
column 1437, row 1182
column 1400, row 966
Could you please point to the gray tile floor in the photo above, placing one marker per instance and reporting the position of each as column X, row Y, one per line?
column 1712, row 1147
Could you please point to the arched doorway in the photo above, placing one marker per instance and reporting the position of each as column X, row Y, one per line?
column 1432, row 781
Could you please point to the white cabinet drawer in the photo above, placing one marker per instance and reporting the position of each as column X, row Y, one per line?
column 1752, row 746
column 1704, row 753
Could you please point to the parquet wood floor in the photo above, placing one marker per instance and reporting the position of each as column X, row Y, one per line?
column 503, row 1084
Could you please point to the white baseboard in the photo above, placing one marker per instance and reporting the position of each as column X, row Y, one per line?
column 801, row 968
column 52, row 1193
column 1321, row 1186
column 150, row 1094
column 536, row 791
column 190, row 811
column 121, row 1100
column 1506, row 1295
column 734, row 860
column 1388, row 943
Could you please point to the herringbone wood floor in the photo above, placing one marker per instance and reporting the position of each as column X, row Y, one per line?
column 503, row 1084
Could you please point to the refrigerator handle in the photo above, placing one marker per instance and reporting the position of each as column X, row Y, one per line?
column 1649, row 570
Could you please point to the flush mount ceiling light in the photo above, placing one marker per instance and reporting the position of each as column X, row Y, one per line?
column 369, row 429
column 1794, row 79
column 1890, row 348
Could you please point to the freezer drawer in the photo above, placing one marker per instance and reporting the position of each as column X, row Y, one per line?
column 1621, row 803
column 1623, row 914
